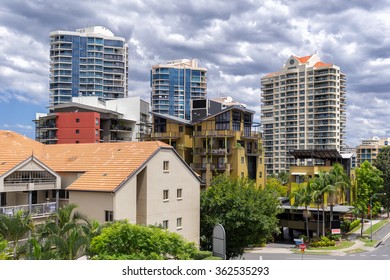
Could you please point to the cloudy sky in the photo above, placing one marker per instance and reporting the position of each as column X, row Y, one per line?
column 237, row 41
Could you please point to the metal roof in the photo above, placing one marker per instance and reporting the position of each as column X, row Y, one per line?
column 316, row 154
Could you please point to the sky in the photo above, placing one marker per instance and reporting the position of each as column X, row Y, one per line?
column 237, row 41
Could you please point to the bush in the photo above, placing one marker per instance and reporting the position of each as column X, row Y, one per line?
column 201, row 255
column 354, row 224
column 345, row 225
column 323, row 242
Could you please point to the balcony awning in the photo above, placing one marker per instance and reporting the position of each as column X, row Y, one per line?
column 316, row 154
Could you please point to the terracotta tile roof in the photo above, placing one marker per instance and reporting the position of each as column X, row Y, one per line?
column 322, row 64
column 271, row 74
column 103, row 166
column 303, row 59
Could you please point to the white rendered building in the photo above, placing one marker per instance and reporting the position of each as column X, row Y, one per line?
column 302, row 107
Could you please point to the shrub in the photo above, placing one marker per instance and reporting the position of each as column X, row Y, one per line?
column 323, row 242
column 201, row 255
column 354, row 224
column 345, row 225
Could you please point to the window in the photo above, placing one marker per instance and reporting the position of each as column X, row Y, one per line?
column 178, row 223
column 96, row 121
column 77, row 131
column 165, row 165
column 242, row 160
column 181, row 128
column 96, row 132
column 109, row 216
column 260, row 174
column 242, row 174
column 165, row 224
column 3, row 200
column 77, row 120
column 165, row 195
column 179, row 193
column 77, row 141
column 64, row 194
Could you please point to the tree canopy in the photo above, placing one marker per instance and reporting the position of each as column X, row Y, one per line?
column 382, row 162
column 247, row 213
column 369, row 182
column 121, row 240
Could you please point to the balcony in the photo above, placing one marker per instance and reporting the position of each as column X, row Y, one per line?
column 214, row 133
column 37, row 210
column 250, row 135
column 165, row 135
column 212, row 151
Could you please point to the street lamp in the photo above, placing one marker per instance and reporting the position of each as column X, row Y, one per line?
column 375, row 194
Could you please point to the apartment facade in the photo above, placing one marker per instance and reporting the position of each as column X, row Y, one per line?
column 174, row 85
column 144, row 182
column 303, row 106
column 226, row 142
column 90, row 61
column 369, row 149
column 93, row 120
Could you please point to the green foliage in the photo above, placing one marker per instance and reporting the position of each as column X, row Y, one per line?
column 247, row 213
column 369, row 181
column 275, row 185
column 282, row 177
column 200, row 255
column 354, row 224
column 121, row 240
column 382, row 162
column 323, row 242
column 345, row 225
column 14, row 228
column 65, row 236
column 3, row 249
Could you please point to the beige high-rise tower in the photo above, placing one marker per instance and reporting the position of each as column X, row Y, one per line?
column 302, row 107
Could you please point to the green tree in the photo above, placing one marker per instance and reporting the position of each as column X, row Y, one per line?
column 319, row 186
column 382, row 162
column 247, row 213
column 282, row 177
column 3, row 249
column 13, row 228
column 338, row 183
column 303, row 197
column 276, row 185
column 67, row 231
column 369, row 181
column 121, row 240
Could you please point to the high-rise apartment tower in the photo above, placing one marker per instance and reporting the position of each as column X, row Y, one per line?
column 174, row 85
column 302, row 107
column 88, row 62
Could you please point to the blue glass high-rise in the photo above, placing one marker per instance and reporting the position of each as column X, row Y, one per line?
column 88, row 62
column 174, row 85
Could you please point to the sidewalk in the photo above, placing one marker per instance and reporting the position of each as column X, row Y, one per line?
column 357, row 247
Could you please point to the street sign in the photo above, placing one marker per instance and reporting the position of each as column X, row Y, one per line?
column 302, row 247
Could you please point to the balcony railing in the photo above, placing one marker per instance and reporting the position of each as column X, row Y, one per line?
column 214, row 133
column 37, row 210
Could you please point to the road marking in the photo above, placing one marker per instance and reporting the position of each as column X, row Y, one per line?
column 373, row 255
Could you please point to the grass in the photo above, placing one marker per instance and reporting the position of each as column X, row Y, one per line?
column 376, row 226
column 367, row 241
column 343, row 245
column 355, row 251
column 297, row 251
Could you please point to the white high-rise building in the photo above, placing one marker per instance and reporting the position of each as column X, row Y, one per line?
column 87, row 62
column 303, row 106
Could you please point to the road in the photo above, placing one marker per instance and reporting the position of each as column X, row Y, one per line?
column 382, row 252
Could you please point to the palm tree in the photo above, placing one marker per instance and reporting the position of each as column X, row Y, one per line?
column 303, row 196
column 319, row 187
column 337, row 185
column 14, row 228
column 67, row 232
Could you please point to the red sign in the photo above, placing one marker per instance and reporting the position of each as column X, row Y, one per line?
column 302, row 246
column 336, row 231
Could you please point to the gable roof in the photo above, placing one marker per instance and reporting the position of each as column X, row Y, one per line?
column 102, row 166
column 303, row 59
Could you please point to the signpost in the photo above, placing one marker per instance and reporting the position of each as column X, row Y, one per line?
column 302, row 247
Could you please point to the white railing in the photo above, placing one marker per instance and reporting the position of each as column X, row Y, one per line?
column 37, row 210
